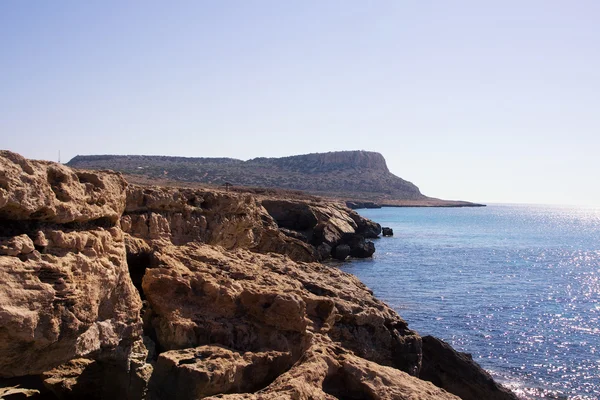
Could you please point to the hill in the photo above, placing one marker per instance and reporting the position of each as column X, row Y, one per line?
column 359, row 176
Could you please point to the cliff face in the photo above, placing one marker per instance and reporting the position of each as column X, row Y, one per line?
column 115, row 291
column 346, row 174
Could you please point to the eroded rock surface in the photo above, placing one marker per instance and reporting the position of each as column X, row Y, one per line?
column 65, row 290
column 329, row 224
column 218, row 218
column 252, row 302
column 328, row 371
column 112, row 291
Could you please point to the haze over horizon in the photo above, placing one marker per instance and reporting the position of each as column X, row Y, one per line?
column 470, row 100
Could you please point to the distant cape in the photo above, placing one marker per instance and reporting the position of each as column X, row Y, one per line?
column 353, row 176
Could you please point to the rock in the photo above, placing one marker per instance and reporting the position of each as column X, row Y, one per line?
column 294, row 215
column 230, row 220
column 365, row 227
column 354, row 205
column 232, row 304
column 458, row 373
column 76, row 298
column 16, row 245
column 324, row 251
column 387, row 232
column 341, row 252
column 328, row 371
column 359, row 247
column 251, row 302
column 319, row 224
column 45, row 191
column 88, row 379
column 207, row 370
column 294, row 234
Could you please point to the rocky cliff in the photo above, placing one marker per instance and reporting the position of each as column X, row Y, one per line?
column 117, row 291
column 348, row 175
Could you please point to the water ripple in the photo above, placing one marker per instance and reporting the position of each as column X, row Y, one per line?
column 518, row 287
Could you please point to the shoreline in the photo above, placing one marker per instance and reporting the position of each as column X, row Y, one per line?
column 195, row 292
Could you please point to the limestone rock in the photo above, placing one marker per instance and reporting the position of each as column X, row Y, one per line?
column 330, row 224
column 66, row 290
column 45, row 191
column 365, row 227
column 201, row 295
column 458, row 373
column 328, row 371
column 203, row 371
column 73, row 300
column 226, row 219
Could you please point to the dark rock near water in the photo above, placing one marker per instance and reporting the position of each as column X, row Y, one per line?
column 341, row 252
column 365, row 227
column 324, row 251
column 387, row 231
column 458, row 373
column 359, row 247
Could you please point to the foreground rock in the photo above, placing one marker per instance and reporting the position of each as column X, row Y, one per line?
column 229, row 308
column 66, row 291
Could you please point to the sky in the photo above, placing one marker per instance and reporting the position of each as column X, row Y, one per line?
column 473, row 100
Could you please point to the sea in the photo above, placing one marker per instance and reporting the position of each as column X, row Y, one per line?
column 517, row 286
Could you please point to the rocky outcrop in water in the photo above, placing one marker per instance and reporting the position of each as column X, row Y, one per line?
column 114, row 291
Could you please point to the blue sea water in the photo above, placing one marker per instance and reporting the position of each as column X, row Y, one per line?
column 516, row 286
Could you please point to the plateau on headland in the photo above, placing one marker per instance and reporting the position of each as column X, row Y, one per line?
column 361, row 178
column 113, row 290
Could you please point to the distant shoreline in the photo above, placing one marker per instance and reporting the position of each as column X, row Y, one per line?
column 429, row 203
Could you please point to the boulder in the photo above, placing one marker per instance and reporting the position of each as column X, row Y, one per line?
column 51, row 192
column 387, row 231
column 341, row 252
column 359, row 247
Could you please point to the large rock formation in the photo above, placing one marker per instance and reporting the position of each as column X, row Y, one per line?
column 362, row 176
column 114, row 291
column 65, row 290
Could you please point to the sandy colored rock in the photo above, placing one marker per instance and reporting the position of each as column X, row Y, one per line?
column 66, row 291
column 45, row 191
column 228, row 307
column 203, row 371
column 328, row 371
column 229, row 220
column 73, row 300
column 200, row 295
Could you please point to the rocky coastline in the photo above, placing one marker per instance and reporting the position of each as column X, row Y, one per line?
column 118, row 291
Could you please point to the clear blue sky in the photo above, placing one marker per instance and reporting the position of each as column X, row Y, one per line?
column 494, row 101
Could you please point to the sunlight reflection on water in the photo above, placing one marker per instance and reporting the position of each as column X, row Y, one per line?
column 516, row 286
